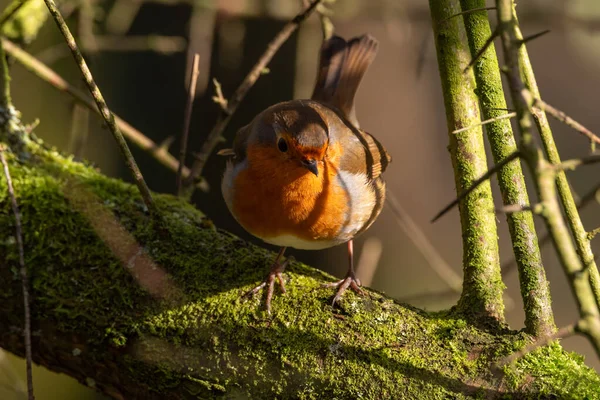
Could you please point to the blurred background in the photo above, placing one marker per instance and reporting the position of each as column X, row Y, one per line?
column 140, row 52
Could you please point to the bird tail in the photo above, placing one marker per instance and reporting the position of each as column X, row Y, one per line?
column 341, row 68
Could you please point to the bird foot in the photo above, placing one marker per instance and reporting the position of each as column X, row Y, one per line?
column 349, row 281
column 276, row 273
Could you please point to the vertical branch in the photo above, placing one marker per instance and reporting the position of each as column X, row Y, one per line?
column 539, row 320
column 22, row 271
column 186, row 120
column 481, row 298
column 108, row 116
column 545, row 175
column 569, row 205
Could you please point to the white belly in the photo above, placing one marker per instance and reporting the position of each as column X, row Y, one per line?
column 301, row 244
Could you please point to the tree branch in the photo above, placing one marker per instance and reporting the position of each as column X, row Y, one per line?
column 578, row 273
column 535, row 292
column 483, row 302
column 584, row 250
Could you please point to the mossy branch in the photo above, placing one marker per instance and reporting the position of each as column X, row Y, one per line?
column 545, row 173
column 539, row 320
column 135, row 314
column 582, row 244
column 482, row 286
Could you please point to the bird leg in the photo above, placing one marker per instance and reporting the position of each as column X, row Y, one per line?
column 350, row 281
column 275, row 273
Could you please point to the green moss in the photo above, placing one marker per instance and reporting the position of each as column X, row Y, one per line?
column 162, row 317
column 481, row 296
column 535, row 292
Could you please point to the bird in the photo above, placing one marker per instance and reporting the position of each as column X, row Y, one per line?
column 303, row 174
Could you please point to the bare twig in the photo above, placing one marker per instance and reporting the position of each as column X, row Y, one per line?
column 562, row 333
column 22, row 270
column 487, row 121
column 218, row 97
column 467, row 12
column 79, row 130
column 161, row 154
column 515, row 208
column 534, row 36
column 561, row 116
column 422, row 243
column 187, row 119
column 576, row 162
column 225, row 116
column 592, row 234
column 476, row 183
column 108, row 116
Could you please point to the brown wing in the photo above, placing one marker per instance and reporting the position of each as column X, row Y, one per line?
column 363, row 154
column 342, row 66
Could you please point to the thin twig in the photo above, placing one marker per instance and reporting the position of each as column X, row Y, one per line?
column 576, row 162
column 108, row 116
column 33, row 65
column 422, row 243
column 23, row 272
column 562, row 333
column 187, row 119
column 515, row 208
column 79, row 130
column 564, row 118
column 534, row 36
column 218, row 97
column 476, row 183
column 225, row 116
column 467, row 12
column 592, row 234
column 487, row 121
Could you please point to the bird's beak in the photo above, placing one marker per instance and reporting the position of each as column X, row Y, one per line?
column 312, row 166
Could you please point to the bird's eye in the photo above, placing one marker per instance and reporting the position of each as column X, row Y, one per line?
column 282, row 145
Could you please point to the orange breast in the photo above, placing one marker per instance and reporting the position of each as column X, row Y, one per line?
column 274, row 197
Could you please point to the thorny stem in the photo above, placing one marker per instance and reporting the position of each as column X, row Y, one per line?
column 225, row 115
column 22, row 270
column 187, row 119
column 545, row 176
column 109, row 118
column 539, row 320
column 481, row 298
column 582, row 244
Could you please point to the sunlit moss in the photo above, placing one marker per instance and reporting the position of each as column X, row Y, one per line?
column 201, row 339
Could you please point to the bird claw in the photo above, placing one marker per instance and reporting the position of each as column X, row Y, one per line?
column 276, row 273
column 342, row 285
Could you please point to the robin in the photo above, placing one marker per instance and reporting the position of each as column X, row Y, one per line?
column 303, row 174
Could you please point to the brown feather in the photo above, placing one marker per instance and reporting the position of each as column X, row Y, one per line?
column 342, row 67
